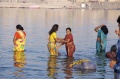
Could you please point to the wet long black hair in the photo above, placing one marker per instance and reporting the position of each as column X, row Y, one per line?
column 118, row 20
column 19, row 27
column 53, row 29
column 113, row 48
column 104, row 29
column 22, row 28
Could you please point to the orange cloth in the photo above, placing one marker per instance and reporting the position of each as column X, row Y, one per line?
column 112, row 63
column 19, row 41
column 18, row 36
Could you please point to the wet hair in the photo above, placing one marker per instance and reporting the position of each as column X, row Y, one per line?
column 113, row 48
column 68, row 29
column 53, row 29
column 18, row 26
column 104, row 29
column 22, row 28
column 118, row 20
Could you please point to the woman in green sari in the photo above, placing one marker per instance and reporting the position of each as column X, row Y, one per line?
column 101, row 42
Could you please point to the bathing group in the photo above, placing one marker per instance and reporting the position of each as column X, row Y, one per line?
column 19, row 41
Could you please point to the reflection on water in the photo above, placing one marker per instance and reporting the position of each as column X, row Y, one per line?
column 101, row 53
column 68, row 70
column 53, row 69
column 52, row 63
column 37, row 23
column 19, row 63
column 101, row 64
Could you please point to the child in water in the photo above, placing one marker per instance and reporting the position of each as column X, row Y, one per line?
column 101, row 41
column 112, row 55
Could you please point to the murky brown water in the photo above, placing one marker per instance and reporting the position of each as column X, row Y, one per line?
column 35, row 61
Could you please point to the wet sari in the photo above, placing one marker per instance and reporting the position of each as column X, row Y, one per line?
column 70, row 47
column 20, row 41
column 52, row 48
column 52, row 44
column 101, row 44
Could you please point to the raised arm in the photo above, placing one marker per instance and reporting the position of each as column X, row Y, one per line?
column 96, row 29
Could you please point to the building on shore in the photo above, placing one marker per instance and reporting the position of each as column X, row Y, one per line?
column 39, row 1
column 97, row 0
column 86, row 4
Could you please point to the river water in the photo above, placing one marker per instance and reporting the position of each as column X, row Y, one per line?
column 36, row 61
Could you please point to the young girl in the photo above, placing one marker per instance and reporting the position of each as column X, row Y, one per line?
column 101, row 42
column 53, row 39
column 112, row 56
column 112, row 53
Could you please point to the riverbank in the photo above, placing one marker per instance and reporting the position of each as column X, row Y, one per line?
column 66, row 5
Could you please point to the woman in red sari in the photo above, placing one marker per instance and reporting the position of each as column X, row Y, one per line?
column 69, row 43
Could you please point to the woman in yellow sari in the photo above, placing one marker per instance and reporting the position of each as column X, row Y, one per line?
column 19, row 39
column 53, row 39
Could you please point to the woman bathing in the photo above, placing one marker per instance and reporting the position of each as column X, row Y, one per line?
column 19, row 39
column 101, row 42
column 69, row 43
column 53, row 39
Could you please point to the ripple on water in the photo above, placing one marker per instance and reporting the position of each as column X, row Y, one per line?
column 39, row 65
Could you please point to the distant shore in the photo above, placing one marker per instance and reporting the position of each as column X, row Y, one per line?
column 87, row 5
